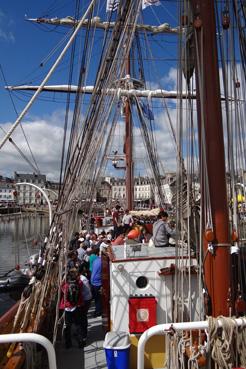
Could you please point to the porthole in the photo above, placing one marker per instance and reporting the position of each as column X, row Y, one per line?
column 141, row 282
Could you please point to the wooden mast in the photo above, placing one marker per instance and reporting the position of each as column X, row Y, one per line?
column 217, row 264
column 128, row 148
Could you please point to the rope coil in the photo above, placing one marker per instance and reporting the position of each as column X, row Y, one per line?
column 226, row 344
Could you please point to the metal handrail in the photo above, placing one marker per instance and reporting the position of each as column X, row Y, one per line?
column 166, row 328
column 32, row 337
column 43, row 193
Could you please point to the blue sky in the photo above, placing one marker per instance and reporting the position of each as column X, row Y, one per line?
column 24, row 46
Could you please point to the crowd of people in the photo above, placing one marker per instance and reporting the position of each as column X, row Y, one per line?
column 83, row 280
column 82, row 283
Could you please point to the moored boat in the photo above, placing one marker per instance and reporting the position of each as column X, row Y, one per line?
column 14, row 281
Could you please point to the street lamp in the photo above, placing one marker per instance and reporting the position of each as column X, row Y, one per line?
column 43, row 193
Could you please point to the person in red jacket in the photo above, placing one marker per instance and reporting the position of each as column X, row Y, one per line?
column 116, row 221
column 72, row 303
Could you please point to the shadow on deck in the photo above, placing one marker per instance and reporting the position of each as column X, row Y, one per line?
column 92, row 356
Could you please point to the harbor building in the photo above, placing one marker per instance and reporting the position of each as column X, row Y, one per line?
column 29, row 195
column 7, row 191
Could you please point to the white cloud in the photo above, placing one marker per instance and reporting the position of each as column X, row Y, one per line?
column 7, row 36
column 170, row 80
column 45, row 135
column 45, row 138
column 6, row 33
column 164, row 141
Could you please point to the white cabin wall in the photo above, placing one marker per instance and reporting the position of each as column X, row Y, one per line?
column 123, row 285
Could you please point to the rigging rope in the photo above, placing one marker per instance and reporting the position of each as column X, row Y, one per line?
column 88, row 143
column 36, row 169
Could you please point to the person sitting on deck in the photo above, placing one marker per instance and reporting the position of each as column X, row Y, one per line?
column 162, row 230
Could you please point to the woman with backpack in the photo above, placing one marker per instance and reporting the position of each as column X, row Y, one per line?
column 72, row 304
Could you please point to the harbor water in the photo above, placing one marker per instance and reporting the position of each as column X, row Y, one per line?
column 20, row 237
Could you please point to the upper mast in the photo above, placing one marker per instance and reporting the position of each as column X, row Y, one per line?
column 128, row 148
column 217, row 262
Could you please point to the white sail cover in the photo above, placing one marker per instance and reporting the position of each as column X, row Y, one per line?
column 149, row 213
column 146, row 3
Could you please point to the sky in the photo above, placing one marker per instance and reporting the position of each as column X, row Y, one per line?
column 23, row 59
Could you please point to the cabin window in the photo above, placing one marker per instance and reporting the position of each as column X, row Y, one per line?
column 141, row 282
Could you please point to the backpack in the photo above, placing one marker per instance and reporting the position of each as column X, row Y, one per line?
column 73, row 292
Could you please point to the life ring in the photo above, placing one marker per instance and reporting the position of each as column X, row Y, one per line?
column 133, row 234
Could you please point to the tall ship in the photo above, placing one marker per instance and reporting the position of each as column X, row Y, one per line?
column 131, row 110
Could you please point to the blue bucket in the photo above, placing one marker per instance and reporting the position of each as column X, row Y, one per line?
column 117, row 350
column 118, row 358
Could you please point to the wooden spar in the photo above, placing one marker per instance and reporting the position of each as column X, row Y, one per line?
column 97, row 23
column 128, row 148
column 216, row 266
column 158, row 93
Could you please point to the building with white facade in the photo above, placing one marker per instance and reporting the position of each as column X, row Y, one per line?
column 167, row 183
column 118, row 189
column 143, row 191
column 7, row 191
column 30, row 195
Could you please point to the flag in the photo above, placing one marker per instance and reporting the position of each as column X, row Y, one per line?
column 112, row 5
column 147, row 112
column 146, row 3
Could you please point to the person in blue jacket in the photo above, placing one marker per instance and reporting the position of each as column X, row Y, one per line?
column 96, row 284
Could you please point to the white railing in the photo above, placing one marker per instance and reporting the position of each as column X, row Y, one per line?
column 43, row 193
column 164, row 329
column 35, row 338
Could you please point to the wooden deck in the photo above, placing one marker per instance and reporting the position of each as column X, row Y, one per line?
column 92, row 356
